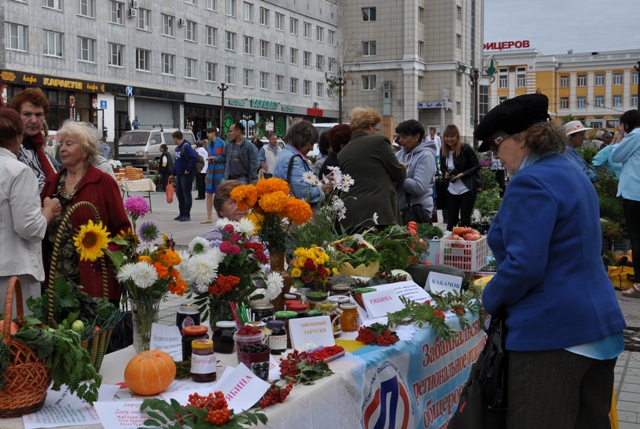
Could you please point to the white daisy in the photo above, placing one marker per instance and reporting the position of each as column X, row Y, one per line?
column 358, row 238
column 245, row 227
column 201, row 270
column 310, row 178
column 144, row 275
column 375, row 218
column 273, row 286
column 125, row 272
column 145, row 248
column 336, row 174
column 199, row 245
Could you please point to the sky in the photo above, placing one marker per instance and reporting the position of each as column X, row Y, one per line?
column 555, row 26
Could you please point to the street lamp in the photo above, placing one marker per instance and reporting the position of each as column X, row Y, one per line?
column 637, row 67
column 474, row 76
column 340, row 82
column 116, row 137
column 222, row 87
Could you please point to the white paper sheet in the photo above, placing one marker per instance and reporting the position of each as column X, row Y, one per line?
column 443, row 283
column 316, row 330
column 168, row 339
column 121, row 415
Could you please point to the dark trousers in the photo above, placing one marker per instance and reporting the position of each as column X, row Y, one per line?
column 460, row 208
column 184, row 185
column 632, row 217
column 164, row 181
column 558, row 389
column 200, row 184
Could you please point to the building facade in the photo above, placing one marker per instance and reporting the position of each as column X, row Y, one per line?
column 595, row 88
column 165, row 61
column 412, row 60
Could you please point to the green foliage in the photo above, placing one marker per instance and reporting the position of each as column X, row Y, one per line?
column 428, row 231
column 488, row 179
column 587, row 154
column 568, row 118
column 5, row 359
column 486, row 202
column 610, row 205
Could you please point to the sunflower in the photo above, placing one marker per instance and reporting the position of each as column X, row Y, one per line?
column 91, row 241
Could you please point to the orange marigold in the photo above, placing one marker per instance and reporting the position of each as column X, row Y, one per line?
column 267, row 186
column 245, row 196
column 223, row 284
column 168, row 257
column 297, row 210
column 273, row 202
column 145, row 258
column 177, row 287
column 174, row 273
column 161, row 269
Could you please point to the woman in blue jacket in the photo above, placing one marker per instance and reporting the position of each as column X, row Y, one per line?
column 563, row 320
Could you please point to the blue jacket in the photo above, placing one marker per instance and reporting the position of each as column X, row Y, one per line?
column 571, row 153
column 628, row 153
column 603, row 158
column 180, row 163
column 301, row 189
column 248, row 157
column 551, row 281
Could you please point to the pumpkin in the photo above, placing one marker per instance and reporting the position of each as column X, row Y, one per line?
column 150, row 372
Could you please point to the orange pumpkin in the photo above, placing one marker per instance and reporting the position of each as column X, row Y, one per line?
column 150, row 372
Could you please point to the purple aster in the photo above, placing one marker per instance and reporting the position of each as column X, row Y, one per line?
column 136, row 206
column 148, row 231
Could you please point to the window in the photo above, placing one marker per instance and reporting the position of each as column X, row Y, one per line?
column 306, row 87
column 599, row 100
column 212, row 36
column 116, row 54
column 369, row 82
column 458, row 41
column 617, row 78
column 320, row 34
column 211, row 71
column 294, row 56
column 280, row 53
column 564, row 81
column 306, row 59
column 211, row 5
column 582, row 80
column 264, row 80
column 52, row 43
column 331, row 36
column 293, row 26
column 564, row 103
column 521, row 77
column 247, row 11
column 53, row 4
column 617, row 101
column 293, row 88
column 332, row 63
column 231, row 40
column 168, row 23
column 279, row 21
column 320, row 62
column 279, row 83
column 420, row 14
column 420, row 48
column 500, row 101
column 116, row 10
column 87, row 8
column 86, row 49
column 144, row 19
column 248, row 45
column 368, row 14
column 143, row 59
column 459, row 13
column 16, row 37
column 458, row 79
column 503, row 78
column 634, row 78
column 369, row 48
column 230, row 7
column 634, row 100
column 194, row 2
column 319, row 89
column 192, row 31
column 307, row 30
column 230, row 75
column 247, row 78
column 582, row 102
column 190, row 68
column 420, row 83
column 168, row 62
column 264, row 16
column 599, row 79
column 264, row 49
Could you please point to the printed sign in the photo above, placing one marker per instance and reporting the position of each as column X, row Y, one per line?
column 409, row 289
column 442, row 283
column 167, row 339
column 381, row 302
column 314, row 330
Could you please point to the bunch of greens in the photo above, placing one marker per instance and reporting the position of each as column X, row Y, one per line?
column 397, row 246
column 428, row 231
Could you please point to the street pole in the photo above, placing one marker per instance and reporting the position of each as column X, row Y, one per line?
column 637, row 67
column 222, row 87
column 116, row 138
column 475, row 76
column 340, row 85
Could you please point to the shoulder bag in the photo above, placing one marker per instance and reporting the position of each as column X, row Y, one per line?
column 413, row 212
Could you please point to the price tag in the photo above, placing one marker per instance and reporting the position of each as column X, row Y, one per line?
column 381, row 302
column 315, row 330
column 443, row 283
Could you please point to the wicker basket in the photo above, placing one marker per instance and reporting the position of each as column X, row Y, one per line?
column 97, row 343
column 361, row 270
column 27, row 378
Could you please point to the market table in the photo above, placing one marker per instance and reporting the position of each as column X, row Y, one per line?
column 143, row 185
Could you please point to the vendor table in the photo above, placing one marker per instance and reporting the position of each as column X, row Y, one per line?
column 143, row 185
column 413, row 384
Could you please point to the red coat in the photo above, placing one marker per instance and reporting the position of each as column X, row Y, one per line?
column 102, row 191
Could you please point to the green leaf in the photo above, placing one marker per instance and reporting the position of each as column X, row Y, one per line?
column 157, row 416
column 151, row 422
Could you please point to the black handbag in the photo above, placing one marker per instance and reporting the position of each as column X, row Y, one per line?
column 414, row 212
column 122, row 335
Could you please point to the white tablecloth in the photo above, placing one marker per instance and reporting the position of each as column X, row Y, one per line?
column 144, row 185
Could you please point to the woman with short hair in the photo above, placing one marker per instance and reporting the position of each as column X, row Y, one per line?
column 338, row 137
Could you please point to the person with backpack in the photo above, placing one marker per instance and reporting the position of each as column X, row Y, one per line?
column 184, row 169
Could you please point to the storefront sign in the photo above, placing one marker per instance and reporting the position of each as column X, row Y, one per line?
column 235, row 102
column 499, row 46
column 289, row 109
column 36, row 80
column 264, row 104
column 315, row 112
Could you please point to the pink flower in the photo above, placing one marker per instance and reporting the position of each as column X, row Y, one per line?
column 235, row 237
column 136, row 205
column 226, row 247
column 228, row 228
column 235, row 249
column 113, row 247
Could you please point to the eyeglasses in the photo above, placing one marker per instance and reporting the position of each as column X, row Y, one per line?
column 497, row 141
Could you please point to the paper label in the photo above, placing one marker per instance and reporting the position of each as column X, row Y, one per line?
column 168, row 339
column 316, row 330
column 443, row 283
column 278, row 342
column 381, row 302
column 203, row 364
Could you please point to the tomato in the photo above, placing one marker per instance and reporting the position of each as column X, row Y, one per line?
column 14, row 327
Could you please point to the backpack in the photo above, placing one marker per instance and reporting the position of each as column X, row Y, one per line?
column 199, row 163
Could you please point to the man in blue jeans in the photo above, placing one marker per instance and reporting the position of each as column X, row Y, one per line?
column 184, row 171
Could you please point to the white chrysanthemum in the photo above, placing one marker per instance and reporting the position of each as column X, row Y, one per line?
column 310, row 178
column 201, row 288
column 199, row 245
column 358, row 238
column 273, row 286
column 375, row 218
column 184, row 260
column 145, row 248
column 221, row 223
column 125, row 272
column 245, row 227
column 144, row 275
column 201, row 269
column 215, row 256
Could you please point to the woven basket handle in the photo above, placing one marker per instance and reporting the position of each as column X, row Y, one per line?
column 14, row 286
column 56, row 249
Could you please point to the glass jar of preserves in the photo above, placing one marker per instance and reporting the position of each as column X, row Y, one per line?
column 203, row 361
column 299, row 308
column 278, row 337
column 339, row 299
column 313, row 313
column 340, row 290
column 190, row 333
column 335, row 314
column 285, row 316
column 350, row 318
column 187, row 315
column 315, row 298
column 223, row 337
column 262, row 312
column 358, row 294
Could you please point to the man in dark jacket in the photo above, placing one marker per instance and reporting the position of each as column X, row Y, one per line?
column 184, row 171
column 165, row 168
column 240, row 157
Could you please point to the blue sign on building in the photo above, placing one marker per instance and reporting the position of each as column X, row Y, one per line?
column 103, row 104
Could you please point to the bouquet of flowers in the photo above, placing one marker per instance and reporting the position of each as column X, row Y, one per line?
column 309, row 268
column 231, row 272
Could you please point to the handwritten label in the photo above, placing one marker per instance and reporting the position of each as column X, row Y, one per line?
column 443, row 283
column 167, row 339
column 409, row 289
column 381, row 302
column 121, row 415
column 315, row 330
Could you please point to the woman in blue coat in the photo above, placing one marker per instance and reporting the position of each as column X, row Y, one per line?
column 563, row 320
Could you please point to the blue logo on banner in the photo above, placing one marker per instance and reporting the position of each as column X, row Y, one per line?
column 129, row 91
column 103, row 104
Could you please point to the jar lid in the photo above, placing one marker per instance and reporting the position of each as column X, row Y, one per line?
column 226, row 324
column 286, row 314
column 317, row 296
column 195, row 330
column 202, row 343
column 347, row 306
column 188, row 308
column 292, row 301
column 290, row 296
column 365, row 289
column 341, row 287
column 313, row 313
column 339, row 299
column 264, row 306
column 275, row 324
column 257, row 325
column 298, row 306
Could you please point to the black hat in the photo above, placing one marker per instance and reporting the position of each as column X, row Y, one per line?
column 512, row 116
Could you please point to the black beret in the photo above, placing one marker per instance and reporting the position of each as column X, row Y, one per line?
column 512, row 116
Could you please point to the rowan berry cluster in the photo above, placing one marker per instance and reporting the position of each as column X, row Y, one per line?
column 216, row 406
column 381, row 337
column 276, row 394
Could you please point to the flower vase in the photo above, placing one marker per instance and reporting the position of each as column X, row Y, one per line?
column 144, row 314
column 277, row 265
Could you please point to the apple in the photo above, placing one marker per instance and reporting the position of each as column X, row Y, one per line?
column 470, row 237
column 77, row 326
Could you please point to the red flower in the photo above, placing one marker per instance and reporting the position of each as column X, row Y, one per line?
column 309, row 265
column 260, row 256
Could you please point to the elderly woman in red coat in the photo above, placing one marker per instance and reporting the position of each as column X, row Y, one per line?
column 80, row 181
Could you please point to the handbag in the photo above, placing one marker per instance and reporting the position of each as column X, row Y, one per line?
column 414, row 212
column 122, row 335
column 169, row 190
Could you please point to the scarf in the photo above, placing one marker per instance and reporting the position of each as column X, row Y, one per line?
column 38, row 142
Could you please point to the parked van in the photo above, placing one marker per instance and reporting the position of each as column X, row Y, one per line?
column 321, row 127
column 138, row 147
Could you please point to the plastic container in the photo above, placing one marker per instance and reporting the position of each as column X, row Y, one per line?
column 434, row 251
column 468, row 256
column 258, row 363
column 223, row 337
column 242, row 340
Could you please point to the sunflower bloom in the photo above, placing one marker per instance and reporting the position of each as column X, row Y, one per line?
column 91, row 241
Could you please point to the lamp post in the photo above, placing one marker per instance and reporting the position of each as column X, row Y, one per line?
column 474, row 76
column 340, row 82
column 222, row 87
column 637, row 67
column 116, row 137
